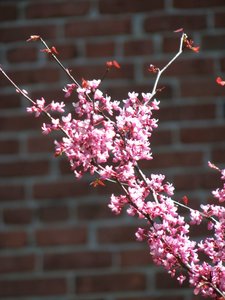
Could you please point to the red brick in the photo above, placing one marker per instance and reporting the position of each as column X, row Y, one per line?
column 135, row 257
column 187, row 67
column 100, row 49
column 10, row 192
column 171, row 44
column 197, row 4
column 17, row 216
column 77, row 260
column 138, row 47
column 53, row 213
column 219, row 20
column 24, row 168
column 186, row 112
column 22, row 33
column 164, row 281
column 61, row 236
column 9, row 147
column 22, row 54
column 117, row 235
column 55, row 10
column 200, row 87
column 208, row 135
column 8, row 12
column 20, row 122
column 13, row 239
column 62, row 189
column 94, row 211
column 213, row 42
column 161, row 297
column 97, row 71
column 110, row 283
column 196, row 181
column 161, row 137
column 218, row 155
column 171, row 22
column 44, row 75
column 66, row 51
column 222, row 64
column 120, row 92
column 127, row 6
column 40, row 144
column 174, row 159
column 14, row 264
column 33, row 287
column 106, row 27
column 9, row 101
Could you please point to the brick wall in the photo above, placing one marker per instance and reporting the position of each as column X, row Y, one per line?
column 58, row 239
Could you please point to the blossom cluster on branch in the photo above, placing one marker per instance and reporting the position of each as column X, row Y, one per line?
column 108, row 138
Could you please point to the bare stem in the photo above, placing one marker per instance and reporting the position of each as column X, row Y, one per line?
column 166, row 66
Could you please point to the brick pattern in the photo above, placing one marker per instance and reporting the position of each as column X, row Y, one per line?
column 58, row 239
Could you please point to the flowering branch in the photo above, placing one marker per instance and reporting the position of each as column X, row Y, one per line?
column 108, row 139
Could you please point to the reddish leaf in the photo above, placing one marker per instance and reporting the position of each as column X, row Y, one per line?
column 185, row 200
column 179, row 30
column 220, row 81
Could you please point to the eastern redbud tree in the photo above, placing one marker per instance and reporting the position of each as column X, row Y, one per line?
column 108, row 139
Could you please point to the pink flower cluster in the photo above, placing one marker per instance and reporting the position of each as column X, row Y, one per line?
column 109, row 138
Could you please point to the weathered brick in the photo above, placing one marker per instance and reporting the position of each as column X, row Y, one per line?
column 61, row 189
column 20, row 122
column 192, row 4
column 162, row 282
column 213, row 42
column 40, row 144
column 94, row 211
column 170, row 22
column 138, row 47
column 186, row 112
column 77, row 260
column 10, row 192
column 9, row 101
column 22, row 33
column 9, row 146
column 22, row 54
column 17, row 216
column 116, row 234
column 32, row 287
column 14, row 264
column 85, row 28
column 44, row 75
column 211, row 134
column 53, row 213
column 8, row 11
column 13, row 239
column 174, row 159
column 110, row 283
column 100, row 49
column 61, row 236
column 135, row 257
column 56, row 10
column 126, row 6
column 24, row 168
column 219, row 19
